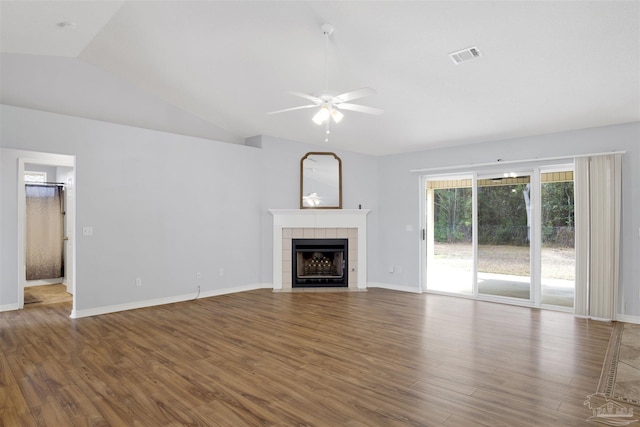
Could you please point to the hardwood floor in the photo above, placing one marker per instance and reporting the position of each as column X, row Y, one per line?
column 35, row 296
column 316, row 359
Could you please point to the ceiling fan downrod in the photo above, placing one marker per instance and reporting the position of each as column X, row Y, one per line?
column 327, row 30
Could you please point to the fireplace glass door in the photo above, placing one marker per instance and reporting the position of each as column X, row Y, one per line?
column 319, row 262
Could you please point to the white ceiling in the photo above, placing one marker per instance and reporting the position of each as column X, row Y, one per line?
column 215, row 68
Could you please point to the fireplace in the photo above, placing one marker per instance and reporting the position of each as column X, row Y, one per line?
column 319, row 262
column 291, row 224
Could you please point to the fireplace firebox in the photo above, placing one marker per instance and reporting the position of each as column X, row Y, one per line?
column 319, row 262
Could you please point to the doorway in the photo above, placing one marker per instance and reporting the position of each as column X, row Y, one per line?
column 46, row 208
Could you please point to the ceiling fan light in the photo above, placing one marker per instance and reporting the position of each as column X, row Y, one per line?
column 336, row 115
column 321, row 116
column 312, row 199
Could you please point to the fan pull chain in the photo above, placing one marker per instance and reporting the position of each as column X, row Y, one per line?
column 326, row 138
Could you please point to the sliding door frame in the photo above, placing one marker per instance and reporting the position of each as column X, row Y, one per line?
column 535, row 245
column 563, row 167
column 533, row 201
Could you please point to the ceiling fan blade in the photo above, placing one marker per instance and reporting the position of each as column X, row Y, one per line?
column 359, row 108
column 312, row 98
column 358, row 93
column 294, row 108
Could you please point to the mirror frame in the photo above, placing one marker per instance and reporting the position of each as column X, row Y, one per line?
column 320, row 153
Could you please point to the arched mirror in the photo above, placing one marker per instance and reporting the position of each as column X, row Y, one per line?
column 320, row 181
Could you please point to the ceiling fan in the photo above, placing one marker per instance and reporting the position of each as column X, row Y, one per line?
column 331, row 102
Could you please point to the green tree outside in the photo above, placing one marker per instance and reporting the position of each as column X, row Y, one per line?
column 502, row 215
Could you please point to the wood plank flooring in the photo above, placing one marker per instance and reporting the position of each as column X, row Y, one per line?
column 46, row 294
column 376, row 358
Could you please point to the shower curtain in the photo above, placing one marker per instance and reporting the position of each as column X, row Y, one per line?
column 45, row 228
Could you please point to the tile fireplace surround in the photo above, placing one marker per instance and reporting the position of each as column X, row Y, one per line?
column 319, row 223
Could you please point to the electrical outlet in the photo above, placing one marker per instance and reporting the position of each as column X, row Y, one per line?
column 221, row 272
column 138, row 281
column 198, row 275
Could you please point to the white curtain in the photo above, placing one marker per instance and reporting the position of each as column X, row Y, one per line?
column 598, row 188
column 44, row 232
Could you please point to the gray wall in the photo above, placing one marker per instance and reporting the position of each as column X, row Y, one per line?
column 164, row 206
column 399, row 196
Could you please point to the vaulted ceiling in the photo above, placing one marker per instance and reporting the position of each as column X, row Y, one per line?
column 215, row 68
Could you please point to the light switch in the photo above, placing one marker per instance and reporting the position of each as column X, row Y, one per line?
column 87, row 231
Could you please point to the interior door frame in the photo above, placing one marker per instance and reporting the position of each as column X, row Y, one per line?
column 55, row 160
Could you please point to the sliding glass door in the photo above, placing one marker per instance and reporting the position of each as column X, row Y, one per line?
column 449, row 236
column 558, row 265
column 502, row 236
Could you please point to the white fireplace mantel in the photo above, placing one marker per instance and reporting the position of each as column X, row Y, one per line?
column 319, row 218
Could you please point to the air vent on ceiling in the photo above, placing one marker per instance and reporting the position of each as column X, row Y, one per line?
column 465, row 55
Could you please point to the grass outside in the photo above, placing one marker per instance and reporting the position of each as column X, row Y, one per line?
column 557, row 263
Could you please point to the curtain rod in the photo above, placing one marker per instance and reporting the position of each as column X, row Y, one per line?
column 62, row 184
column 509, row 162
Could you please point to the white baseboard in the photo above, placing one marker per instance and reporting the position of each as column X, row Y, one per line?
column 9, row 307
column 393, row 287
column 235, row 289
column 41, row 282
column 618, row 318
column 600, row 319
column 627, row 318
column 76, row 314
